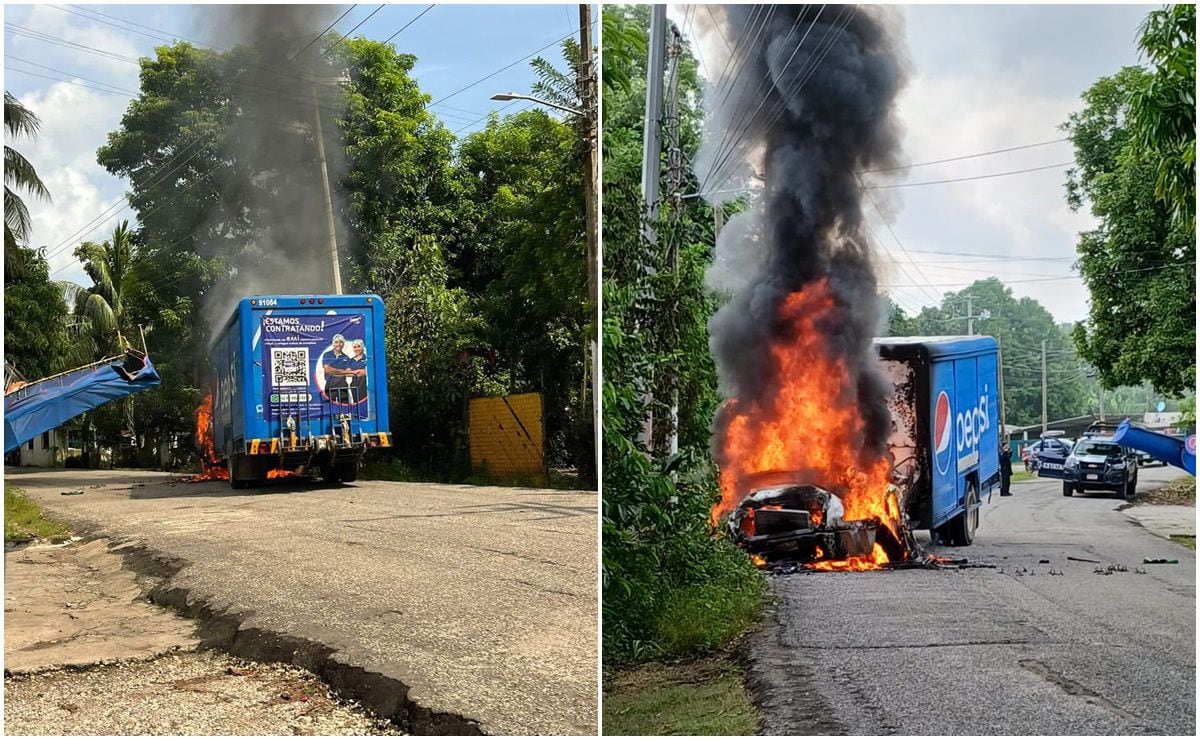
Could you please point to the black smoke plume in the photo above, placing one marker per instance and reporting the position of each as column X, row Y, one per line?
column 269, row 220
column 811, row 104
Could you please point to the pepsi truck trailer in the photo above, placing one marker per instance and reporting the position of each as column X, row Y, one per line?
column 945, row 435
column 299, row 385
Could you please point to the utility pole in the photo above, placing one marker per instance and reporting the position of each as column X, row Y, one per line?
column 588, row 100
column 674, row 205
column 1044, row 417
column 1100, row 395
column 333, row 247
column 651, row 168
column 718, row 222
column 970, row 318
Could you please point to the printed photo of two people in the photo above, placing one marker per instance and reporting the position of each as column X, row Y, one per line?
column 618, row 369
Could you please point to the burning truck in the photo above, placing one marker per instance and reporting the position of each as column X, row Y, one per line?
column 299, row 388
column 942, row 460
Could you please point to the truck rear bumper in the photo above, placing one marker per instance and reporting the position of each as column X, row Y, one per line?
column 293, row 444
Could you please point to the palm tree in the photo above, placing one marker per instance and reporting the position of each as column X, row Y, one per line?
column 19, row 175
column 99, row 311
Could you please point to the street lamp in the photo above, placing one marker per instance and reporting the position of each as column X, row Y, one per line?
column 515, row 96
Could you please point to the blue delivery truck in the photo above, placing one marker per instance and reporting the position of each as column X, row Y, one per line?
column 945, row 429
column 300, row 385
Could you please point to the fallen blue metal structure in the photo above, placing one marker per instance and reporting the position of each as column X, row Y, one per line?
column 46, row 404
column 1178, row 452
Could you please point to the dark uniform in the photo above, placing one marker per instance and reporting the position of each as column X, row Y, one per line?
column 1005, row 469
column 337, row 387
column 359, row 385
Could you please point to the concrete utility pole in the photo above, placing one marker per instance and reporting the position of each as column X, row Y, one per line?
column 651, row 134
column 333, row 247
column 588, row 100
column 674, row 203
column 1100, row 395
column 970, row 319
column 1044, row 417
column 651, row 167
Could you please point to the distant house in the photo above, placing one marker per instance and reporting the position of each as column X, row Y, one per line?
column 48, row 449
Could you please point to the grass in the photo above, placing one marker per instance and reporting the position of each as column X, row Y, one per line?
column 1022, row 475
column 1179, row 492
column 696, row 697
column 24, row 520
column 705, row 616
column 1187, row 540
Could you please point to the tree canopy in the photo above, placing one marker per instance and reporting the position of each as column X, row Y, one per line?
column 1139, row 263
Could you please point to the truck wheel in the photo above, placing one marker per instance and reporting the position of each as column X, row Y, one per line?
column 329, row 474
column 235, row 482
column 1068, row 489
column 960, row 531
column 347, row 472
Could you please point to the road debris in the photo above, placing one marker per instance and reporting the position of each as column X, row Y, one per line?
column 1159, row 561
column 76, row 492
column 1081, row 560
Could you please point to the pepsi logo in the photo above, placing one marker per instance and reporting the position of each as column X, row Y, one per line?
column 1191, row 444
column 942, row 418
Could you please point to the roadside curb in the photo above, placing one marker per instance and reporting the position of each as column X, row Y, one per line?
column 1163, row 521
column 227, row 631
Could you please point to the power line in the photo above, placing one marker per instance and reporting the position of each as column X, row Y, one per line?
column 966, row 156
column 975, row 177
column 406, row 25
column 502, row 69
column 1066, row 277
column 347, row 34
column 322, row 33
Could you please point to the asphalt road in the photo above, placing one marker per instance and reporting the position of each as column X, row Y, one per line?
column 1010, row 650
column 481, row 601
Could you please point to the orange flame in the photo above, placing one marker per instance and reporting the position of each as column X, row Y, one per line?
column 812, row 425
column 875, row 561
column 211, row 466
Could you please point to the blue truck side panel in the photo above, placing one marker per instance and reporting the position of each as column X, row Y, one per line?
column 958, row 401
column 269, row 364
column 965, row 429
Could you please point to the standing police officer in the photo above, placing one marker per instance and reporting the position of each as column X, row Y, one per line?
column 1005, row 468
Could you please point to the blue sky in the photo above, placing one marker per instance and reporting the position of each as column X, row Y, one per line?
column 455, row 45
column 983, row 78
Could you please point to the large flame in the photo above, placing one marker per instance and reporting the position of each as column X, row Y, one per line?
column 211, row 466
column 811, row 425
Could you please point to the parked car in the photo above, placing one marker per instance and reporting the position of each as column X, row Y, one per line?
column 1048, row 456
column 1099, row 464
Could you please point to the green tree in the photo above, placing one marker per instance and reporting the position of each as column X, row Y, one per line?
column 1019, row 326
column 526, row 262
column 1162, row 113
column 1139, row 263
column 35, row 313
column 104, row 305
column 662, row 569
column 19, row 175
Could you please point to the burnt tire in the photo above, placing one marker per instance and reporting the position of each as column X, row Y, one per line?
column 960, row 531
column 1068, row 489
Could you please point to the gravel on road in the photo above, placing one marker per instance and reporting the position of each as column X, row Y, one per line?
column 199, row 693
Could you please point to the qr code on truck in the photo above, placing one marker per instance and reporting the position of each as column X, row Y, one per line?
column 289, row 366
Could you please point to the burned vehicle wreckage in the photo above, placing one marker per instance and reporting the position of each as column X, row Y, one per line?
column 942, row 463
column 783, row 519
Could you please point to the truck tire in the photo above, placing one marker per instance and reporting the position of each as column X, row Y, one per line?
column 1068, row 489
column 347, row 472
column 960, row 531
column 235, row 482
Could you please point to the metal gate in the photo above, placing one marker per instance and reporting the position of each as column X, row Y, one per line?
column 506, row 435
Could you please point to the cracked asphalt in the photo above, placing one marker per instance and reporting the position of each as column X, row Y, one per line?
column 481, row 600
column 1010, row 650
